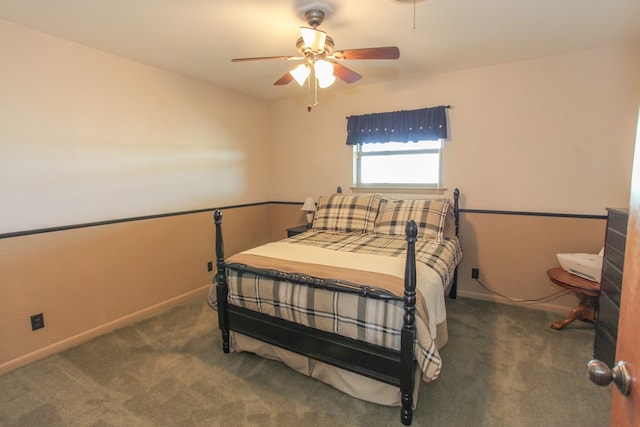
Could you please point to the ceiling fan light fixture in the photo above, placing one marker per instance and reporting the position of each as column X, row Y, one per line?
column 324, row 73
column 326, row 81
column 314, row 40
column 300, row 73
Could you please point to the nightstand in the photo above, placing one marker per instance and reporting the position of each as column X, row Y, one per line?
column 297, row 230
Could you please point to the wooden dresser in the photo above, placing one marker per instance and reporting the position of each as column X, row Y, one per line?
column 611, row 285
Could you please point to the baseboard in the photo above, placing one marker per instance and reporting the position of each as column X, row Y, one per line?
column 542, row 306
column 100, row 330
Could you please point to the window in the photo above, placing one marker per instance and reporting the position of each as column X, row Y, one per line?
column 398, row 164
column 384, row 151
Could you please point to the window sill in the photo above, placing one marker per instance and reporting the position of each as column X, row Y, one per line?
column 399, row 190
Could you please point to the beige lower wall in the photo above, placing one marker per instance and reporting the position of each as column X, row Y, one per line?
column 88, row 281
column 513, row 253
column 285, row 216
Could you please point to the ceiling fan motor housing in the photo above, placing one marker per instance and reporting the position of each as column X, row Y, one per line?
column 314, row 17
column 314, row 12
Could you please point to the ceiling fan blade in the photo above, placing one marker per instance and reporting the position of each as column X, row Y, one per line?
column 285, row 79
column 389, row 52
column 345, row 74
column 260, row 58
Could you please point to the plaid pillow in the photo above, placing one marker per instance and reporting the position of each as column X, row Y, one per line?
column 347, row 214
column 429, row 216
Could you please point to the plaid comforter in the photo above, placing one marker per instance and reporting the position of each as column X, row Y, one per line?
column 441, row 257
column 371, row 320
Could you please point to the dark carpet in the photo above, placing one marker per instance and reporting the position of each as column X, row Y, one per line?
column 503, row 366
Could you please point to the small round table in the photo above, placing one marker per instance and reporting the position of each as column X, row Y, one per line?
column 588, row 291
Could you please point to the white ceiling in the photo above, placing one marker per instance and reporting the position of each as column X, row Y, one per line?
column 198, row 38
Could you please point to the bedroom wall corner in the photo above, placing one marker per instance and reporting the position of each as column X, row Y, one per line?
column 283, row 216
column 550, row 135
column 90, row 138
column 91, row 280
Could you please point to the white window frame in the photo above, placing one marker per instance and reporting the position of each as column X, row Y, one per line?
column 358, row 154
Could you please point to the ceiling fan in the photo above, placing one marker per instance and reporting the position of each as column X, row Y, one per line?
column 321, row 65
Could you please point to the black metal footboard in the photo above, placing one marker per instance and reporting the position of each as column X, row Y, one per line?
column 390, row 366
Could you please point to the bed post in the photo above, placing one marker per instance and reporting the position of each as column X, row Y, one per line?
column 453, row 292
column 222, row 288
column 408, row 327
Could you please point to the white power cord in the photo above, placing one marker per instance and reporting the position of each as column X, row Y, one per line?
column 551, row 296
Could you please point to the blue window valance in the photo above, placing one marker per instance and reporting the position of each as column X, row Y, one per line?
column 425, row 124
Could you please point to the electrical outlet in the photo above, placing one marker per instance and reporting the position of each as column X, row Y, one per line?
column 210, row 266
column 37, row 321
column 475, row 273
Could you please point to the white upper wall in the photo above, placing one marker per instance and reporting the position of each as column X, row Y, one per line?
column 554, row 134
column 87, row 136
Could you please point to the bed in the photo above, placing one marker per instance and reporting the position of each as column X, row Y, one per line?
column 357, row 301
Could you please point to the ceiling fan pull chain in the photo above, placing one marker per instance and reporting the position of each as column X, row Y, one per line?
column 309, row 96
column 315, row 90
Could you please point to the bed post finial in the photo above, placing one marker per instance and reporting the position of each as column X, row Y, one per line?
column 222, row 288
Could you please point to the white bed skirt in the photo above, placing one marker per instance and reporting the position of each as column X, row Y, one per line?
column 348, row 382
